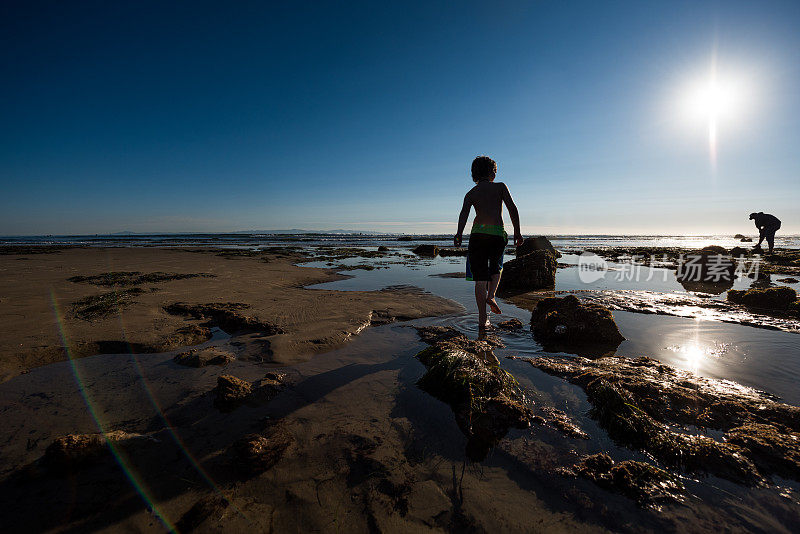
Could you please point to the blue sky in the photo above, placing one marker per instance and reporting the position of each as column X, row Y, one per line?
column 224, row 116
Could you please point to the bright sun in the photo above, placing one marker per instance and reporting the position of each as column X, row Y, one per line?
column 716, row 100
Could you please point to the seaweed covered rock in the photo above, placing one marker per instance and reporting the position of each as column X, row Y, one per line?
column 75, row 450
column 709, row 265
column 773, row 448
column 225, row 315
column 269, row 386
column 640, row 481
column 562, row 422
column 255, row 453
column 485, row 399
column 738, row 252
column 511, row 324
column 203, row 357
column 530, row 272
column 453, row 251
column 426, row 250
column 532, row 244
column 567, row 323
column 768, row 298
column 231, row 392
column 639, row 401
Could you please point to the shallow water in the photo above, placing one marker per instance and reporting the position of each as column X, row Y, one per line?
column 765, row 359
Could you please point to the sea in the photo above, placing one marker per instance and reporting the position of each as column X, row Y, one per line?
column 257, row 240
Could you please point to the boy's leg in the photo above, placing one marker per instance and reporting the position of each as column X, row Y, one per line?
column 491, row 292
column 480, row 299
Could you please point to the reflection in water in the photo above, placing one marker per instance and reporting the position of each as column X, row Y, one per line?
column 697, row 352
column 488, row 357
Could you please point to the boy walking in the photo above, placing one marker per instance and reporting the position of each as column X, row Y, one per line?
column 488, row 239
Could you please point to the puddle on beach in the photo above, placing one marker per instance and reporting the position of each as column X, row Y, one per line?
column 367, row 389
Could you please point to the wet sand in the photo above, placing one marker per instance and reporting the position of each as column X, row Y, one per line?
column 40, row 317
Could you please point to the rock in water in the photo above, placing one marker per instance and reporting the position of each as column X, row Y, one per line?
column 641, row 481
column 710, row 265
column 485, row 398
column 383, row 249
column 643, row 404
column 536, row 243
column 511, row 324
column 530, row 272
column 427, row 250
column 770, row 298
column 569, row 322
column 452, row 251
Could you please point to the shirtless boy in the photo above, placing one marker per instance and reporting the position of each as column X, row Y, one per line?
column 487, row 240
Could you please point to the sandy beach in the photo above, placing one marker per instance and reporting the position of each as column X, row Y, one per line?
column 44, row 304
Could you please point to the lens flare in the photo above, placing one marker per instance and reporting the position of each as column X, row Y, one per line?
column 119, row 457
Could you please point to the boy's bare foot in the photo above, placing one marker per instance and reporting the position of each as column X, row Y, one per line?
column 493, row 306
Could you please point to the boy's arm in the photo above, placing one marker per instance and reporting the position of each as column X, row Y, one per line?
column 462, row 220
column 513, row 213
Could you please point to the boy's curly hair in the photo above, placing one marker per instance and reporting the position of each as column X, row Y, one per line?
column 483, row 168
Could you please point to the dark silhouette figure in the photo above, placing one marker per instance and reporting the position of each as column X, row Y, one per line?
column 488, row 239
column 767, row 226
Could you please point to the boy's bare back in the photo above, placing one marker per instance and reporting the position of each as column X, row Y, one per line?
column 487, row 198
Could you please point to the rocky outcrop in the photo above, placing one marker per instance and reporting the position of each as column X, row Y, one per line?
column 427, row 250
column 532, row 244
column 641, row 403
column 738, row 252
column 644, row 483
column 530, row 272
column 561, row 421
column 446, row 252
column 203, row 357
column 76, row 450
column 568, row 323
column 231, row 392
column 774, row 449
column 769, row 298
column 225, row 315
column 485, row 398
column 709, row 265
column 255, row 453
column 511, row 324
